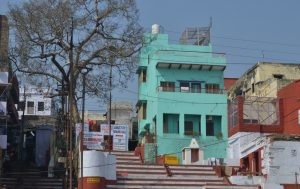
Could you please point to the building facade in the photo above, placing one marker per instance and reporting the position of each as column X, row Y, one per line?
column 181, row 93
column 122, row 113
column 253, row 118
column 9, row 96
column 264, row 79
column 38, row 122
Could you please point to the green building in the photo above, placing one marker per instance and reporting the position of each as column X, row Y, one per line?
column 181, row 93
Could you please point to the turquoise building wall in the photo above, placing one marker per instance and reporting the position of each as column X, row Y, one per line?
column 164, row 62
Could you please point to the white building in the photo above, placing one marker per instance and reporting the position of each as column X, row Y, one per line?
column 279, row 159
column 38, row 101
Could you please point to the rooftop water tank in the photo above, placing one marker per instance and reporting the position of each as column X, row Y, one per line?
column 155, row 29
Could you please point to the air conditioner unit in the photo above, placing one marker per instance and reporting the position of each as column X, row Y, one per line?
column 184, row 89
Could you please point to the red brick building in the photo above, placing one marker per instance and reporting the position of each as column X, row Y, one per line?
column 290, row 97
column 251, row 118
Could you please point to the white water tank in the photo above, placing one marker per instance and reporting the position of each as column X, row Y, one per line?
column 155, row 29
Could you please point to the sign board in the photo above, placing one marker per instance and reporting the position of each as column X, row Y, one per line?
column 78, row 128
column 120, row 136
column 93, row 180
column 93, row 140
column 171, row 160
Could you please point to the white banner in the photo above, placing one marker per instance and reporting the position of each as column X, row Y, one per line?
column 120, row 136
column 78, row 129
column 93, row 140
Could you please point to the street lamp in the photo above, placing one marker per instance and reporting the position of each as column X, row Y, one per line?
column 84, row 72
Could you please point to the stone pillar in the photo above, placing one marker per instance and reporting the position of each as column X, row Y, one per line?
column 181, row 125
column 203, row 126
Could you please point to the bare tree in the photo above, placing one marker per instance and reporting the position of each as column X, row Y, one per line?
column 48, row 35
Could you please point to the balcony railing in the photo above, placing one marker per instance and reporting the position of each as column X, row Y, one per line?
column 190, row 90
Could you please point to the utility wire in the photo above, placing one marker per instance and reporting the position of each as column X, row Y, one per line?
column 244, row 40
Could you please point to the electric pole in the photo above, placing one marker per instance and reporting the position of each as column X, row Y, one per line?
column 71, row 106
column 110, row 87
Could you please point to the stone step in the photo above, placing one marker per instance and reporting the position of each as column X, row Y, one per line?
column 191, row 167
column 127, row 157
column 158, row 171
column 149, row 186
column 230, row 187
column 172, row 167
column 179, row 182
column 122, row 153
column 168, row 179
column 174, row 177
column 135, row 161
column 219, row 186
column 42, row 183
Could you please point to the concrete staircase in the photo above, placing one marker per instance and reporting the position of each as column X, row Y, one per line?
column 29, row 178
column 131, row 173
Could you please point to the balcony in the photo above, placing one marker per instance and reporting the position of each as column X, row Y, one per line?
column 190, row 90
column 254, row 114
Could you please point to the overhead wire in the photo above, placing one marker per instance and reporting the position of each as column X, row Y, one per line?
column 244, row 40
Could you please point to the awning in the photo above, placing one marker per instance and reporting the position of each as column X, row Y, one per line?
column 185, row 66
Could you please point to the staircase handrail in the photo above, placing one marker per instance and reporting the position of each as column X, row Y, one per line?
column 141, row 157
column 168, row 170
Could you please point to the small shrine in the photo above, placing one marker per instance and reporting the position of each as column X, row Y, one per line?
column 192, row 154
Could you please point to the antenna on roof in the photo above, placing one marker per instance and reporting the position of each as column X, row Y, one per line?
column 210, row 22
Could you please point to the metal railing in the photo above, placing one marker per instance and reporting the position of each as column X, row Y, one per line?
column 190, row 90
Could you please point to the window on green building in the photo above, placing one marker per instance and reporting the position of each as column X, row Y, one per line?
column 212, row 88
column 209, row 127
column 144, row 116
column 167, row 86
column 196, row 87
column 142, row 111
column 192, row 125
column 144, row 75
column 184, row 87
column 188, row 128
column 213, row 125
column 171, row 123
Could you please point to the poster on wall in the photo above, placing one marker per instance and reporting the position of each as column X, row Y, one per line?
column 78, row 129
column 120, row 136
column 93, row 140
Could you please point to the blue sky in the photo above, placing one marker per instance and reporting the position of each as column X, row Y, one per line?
column 247, row 31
